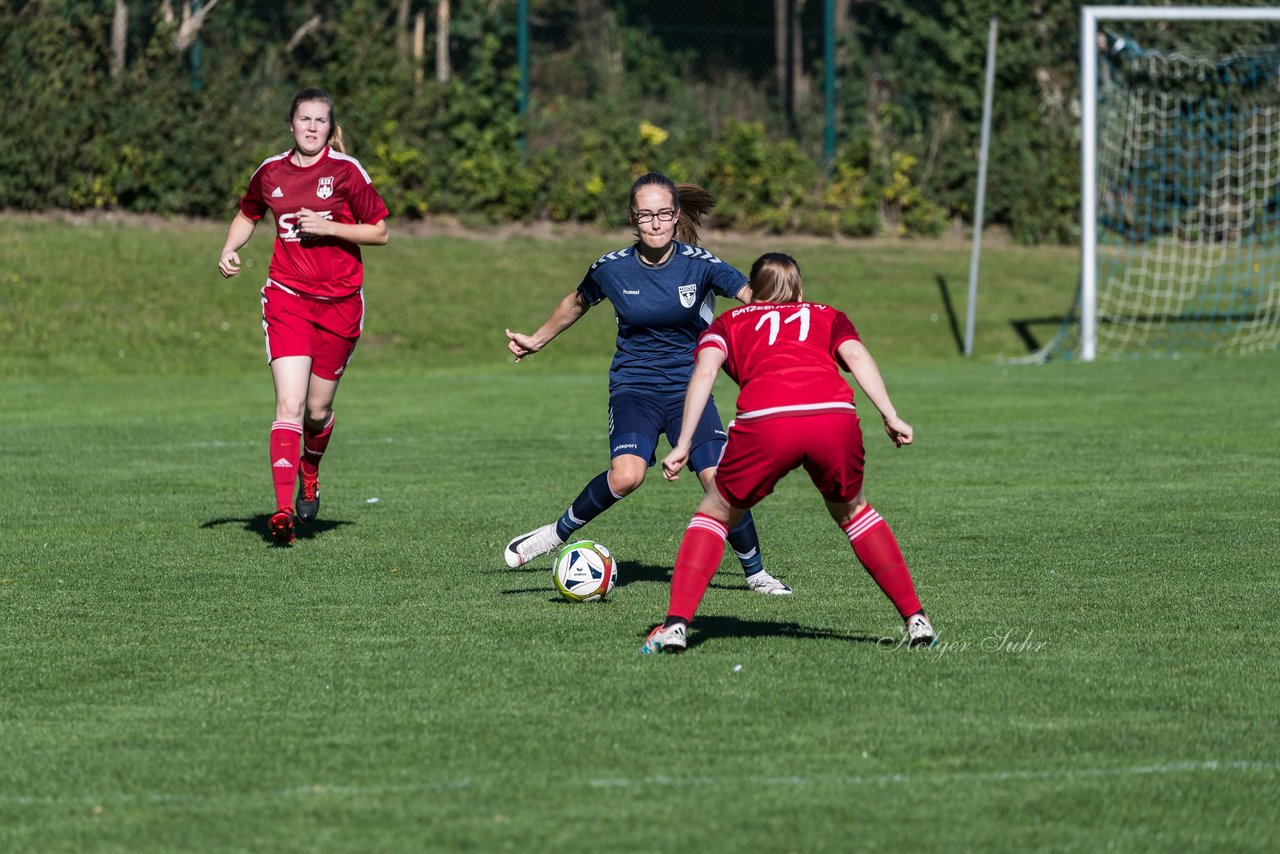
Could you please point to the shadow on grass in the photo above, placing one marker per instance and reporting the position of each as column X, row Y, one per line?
column 1021, row 327
column 729, row 577
column 630, row 572
column 258, row 525
column 952, row 320
column 710, row 627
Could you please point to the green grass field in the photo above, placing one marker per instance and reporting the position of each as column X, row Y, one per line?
column 1096, row 544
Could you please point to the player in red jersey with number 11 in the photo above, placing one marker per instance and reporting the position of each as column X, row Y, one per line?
column 794, row 409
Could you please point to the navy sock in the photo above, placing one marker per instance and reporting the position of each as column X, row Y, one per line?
column 746, row 545
column 595, row 498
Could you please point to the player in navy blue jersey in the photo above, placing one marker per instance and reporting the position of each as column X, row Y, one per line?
column 663, row 289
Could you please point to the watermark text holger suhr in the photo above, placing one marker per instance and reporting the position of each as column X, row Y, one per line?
column 1003, row 641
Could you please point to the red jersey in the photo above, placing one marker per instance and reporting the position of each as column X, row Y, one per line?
column 336, row 187
column 783, row 357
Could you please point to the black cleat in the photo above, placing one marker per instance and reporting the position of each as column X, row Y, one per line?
column 308, row 500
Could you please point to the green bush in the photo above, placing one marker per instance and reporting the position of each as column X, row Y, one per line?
column 170, row 135
column 760, row 183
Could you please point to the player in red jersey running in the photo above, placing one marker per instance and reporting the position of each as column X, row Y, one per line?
column 794, row 409
column 325, row 208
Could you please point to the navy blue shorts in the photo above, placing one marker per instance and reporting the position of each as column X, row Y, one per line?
column 636, row 421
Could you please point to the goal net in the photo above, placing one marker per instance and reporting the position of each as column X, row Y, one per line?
column 1180, row 195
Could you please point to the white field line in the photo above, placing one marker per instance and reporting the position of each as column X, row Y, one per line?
column 1210, row 766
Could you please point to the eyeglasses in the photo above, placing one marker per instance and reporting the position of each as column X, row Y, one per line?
column 664, row 215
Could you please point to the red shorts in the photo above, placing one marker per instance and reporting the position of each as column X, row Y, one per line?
column 324, row 329
column 759, row 453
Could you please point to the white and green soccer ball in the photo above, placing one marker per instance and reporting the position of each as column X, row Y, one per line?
column 584, row 571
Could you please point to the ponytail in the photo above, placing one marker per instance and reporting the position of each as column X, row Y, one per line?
column 336, row 141
column 694, row 202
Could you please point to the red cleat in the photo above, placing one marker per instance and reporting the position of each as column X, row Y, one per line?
column 281, row 526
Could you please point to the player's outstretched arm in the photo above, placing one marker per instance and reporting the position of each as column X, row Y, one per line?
column 238, row 235
column 695, row 402
column 857, row 358
column 566, row 313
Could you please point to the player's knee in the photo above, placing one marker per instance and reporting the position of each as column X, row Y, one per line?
column 844, row 511
column 317, row 417
column 625, row 476
column 625, row 482
column 289, row 408
column 714, row 505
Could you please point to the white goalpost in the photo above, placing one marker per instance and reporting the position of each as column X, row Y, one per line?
column 1180, row 192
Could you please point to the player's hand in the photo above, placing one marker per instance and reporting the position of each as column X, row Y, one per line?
column 674, row 462
column 229, row 264
column 311, row 224
column 900, row 432
column 522, row 345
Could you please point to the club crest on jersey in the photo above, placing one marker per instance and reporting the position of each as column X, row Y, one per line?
column 325, row 188
column 688, row 293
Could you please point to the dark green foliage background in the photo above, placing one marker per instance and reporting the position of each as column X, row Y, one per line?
column 179, row 133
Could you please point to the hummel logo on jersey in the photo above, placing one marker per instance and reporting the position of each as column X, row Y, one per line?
column 282, row 463
column 631, row 293
column 277, row 193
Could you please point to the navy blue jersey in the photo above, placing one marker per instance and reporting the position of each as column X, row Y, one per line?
column 660, row 310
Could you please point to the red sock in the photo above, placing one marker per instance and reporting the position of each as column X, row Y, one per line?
column 877, row 549
column 285, row 447
column 313, row 445
column 697, row 560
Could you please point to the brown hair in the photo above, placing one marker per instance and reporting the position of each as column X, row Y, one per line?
column 775, row 277
column 335, row 130
column 689, row 199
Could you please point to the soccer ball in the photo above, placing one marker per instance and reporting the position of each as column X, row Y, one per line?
column 584, row 571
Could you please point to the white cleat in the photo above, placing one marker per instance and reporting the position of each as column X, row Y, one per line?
column 536, row 543
column 920, row 631
column 763, row 582
column 662, row 640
